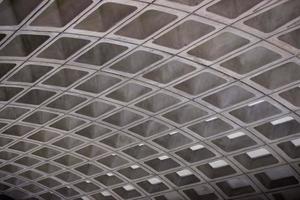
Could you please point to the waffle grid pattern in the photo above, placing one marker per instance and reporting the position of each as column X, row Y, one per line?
column 150, row 99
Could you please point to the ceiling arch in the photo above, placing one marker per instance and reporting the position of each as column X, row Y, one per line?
column 149, row 99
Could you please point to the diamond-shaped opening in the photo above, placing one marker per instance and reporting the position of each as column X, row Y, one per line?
column 127, row 193
column 280, row 15
column 255, row 111
column 67, row 192
column 184, row 34
column 5, row 68
column 118, row 140
column 30, row 73
column 32, row 188
column 169, row 72
column 229, row 96
column 149, row 128
column 279, row 76
column 68, row 177
column 291, row 148
column 18, row 194
column 66, row 102
column 182, row 178
column 292, row 96
column 98, row 83
column 23, row 45
column 51, row 196
column 35, row 96
column 123, row 118
column 291, row 38
column 136, row 61
column 87, row 186
column 14, row 181
column 3, row 187
column 93, row 131
column 46, row 152
column 95, row 109
column 187, row 2
column 200, row 83
column 250, row 60
column 210, row 127
column 40, row 117
column 146, row 24
column 6, row 155
column 218, row 46
column 17, row 130
column 6, row 93
column 27, row 161
column 105, row 17
column 10, row 168
column 12, row 112
column 68, row 143
column 48, row 168
column 2, row 125
column 195, row 154
column 101, row 54
column 133, row 172
column 59, row 13
column 216, row 169
column 43, row 136
column 5, row 141
column 89, row 169
column 23, row 146
column 291, row 194
column 140, row 151
column 128, row 92
column 108, row 179
column 68, row 160
column 172, row 140
column 113, row 161
column 65, row 77
column 185, row 114
column 63, row 48
column 2, row 36
column 233, row 142
column 169, row 196
column 277, row 177
column 279, row 128
column 236, row 186
column 232, row 8
column 67, row 123
column 30, row 175
column 256, row 159
column 91, row 151
column 162, row 163
column 152, row 188
column 157, row 102
column 49, row 182
column 15, row 12
column 105, row 195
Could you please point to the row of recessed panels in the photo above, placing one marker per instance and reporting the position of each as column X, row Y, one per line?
column 88, row 111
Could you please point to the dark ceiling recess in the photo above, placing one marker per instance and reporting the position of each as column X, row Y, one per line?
column 150, row 99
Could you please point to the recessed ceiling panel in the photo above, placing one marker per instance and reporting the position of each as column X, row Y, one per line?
column 150, row 99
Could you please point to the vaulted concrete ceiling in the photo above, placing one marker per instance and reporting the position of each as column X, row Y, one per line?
column 150, row 99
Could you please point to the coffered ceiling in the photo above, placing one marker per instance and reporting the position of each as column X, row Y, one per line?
column 150, row 99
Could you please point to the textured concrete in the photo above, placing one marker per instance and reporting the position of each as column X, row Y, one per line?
column 150, row 99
